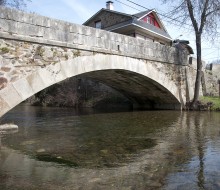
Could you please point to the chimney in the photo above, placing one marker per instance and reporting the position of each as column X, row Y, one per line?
column 109, row 5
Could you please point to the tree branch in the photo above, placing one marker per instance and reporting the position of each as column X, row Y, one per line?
column 213, row 11
column 203, row 16
column 191, row 14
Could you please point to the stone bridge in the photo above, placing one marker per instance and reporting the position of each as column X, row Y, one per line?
column 37, row 52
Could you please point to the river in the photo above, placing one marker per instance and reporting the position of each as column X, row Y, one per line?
column 58, row 148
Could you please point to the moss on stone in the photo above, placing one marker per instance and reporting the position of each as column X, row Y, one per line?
column 40, row 51
column 66, row 57
column 76, row 53
column 4, row 50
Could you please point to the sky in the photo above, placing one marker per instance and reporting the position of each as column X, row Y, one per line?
column 78, row 11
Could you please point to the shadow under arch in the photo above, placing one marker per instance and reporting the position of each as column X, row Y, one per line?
column 143, row 92
column 140, row 80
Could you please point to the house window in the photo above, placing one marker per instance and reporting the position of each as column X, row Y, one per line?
column 151, row 20
column 132, row 34
column 98, row 24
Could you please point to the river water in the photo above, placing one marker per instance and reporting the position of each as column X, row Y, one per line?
column 58, row 148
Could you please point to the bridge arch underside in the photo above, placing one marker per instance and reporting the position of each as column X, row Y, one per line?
column 143, row 92
column 141, row 81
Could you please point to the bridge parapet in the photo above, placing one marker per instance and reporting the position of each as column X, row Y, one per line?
column 20, row 26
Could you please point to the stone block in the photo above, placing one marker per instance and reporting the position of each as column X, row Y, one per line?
column 101, row 43
column 48, row 76
column 126, row 39
column 72, row 67
column 38, row 20
column 86, row 30
column 51, row 34
column 86, row 41
column 118, row 62
column 96, row 43
column 53, row 74
column 128, row 63
column 10, row 95
column 89, row 63
column 27, row 29
column 74, row 28
column 118, row 38
column 106, row 35
column 70, row 37
column 99, row 62
column 75, row 39
column 80, row 39
column 106, row 44
column 36, row 82
column 3, row 82
column 57, row 24
column 113, row 37
column 98, row 33
column 91, row 41
column 23, row 88
column 4, row 107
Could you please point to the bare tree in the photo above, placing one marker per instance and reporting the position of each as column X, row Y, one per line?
column 204, row 16
column 14, row 3
column 2, row 2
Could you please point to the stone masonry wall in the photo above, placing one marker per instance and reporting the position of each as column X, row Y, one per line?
column 209, row 81
column 19, row 59
column 212, row 80
column 216, row 68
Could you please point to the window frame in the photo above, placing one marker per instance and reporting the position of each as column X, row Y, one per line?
column 98, row 24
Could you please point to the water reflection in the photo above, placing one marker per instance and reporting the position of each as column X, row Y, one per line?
column 135, row 150
column 6, row 132
column 200, row 146
column 202, row 131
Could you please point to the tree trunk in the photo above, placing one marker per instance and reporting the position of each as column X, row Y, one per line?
column 199, row 69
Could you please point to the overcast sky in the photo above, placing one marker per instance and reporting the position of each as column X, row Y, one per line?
column 78, row 11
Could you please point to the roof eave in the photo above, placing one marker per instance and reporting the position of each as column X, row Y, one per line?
column 153, row 10
column 150, row 31
column 158, row 18
column 93, row 16
column 170, row 39
column 103, row 9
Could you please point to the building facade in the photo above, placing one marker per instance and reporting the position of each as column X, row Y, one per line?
column 144, row 25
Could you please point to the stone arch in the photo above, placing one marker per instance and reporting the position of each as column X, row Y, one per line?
column 41, row 78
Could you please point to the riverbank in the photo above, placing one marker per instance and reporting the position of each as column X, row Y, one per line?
column 210, row 103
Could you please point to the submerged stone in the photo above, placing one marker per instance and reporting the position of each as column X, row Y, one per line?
column 8, row 127
column 28, row 142
column 40, row 150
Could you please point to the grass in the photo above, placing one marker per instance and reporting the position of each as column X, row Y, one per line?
column 214, row 100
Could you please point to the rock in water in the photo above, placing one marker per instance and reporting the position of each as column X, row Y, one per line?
column 8, row 127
